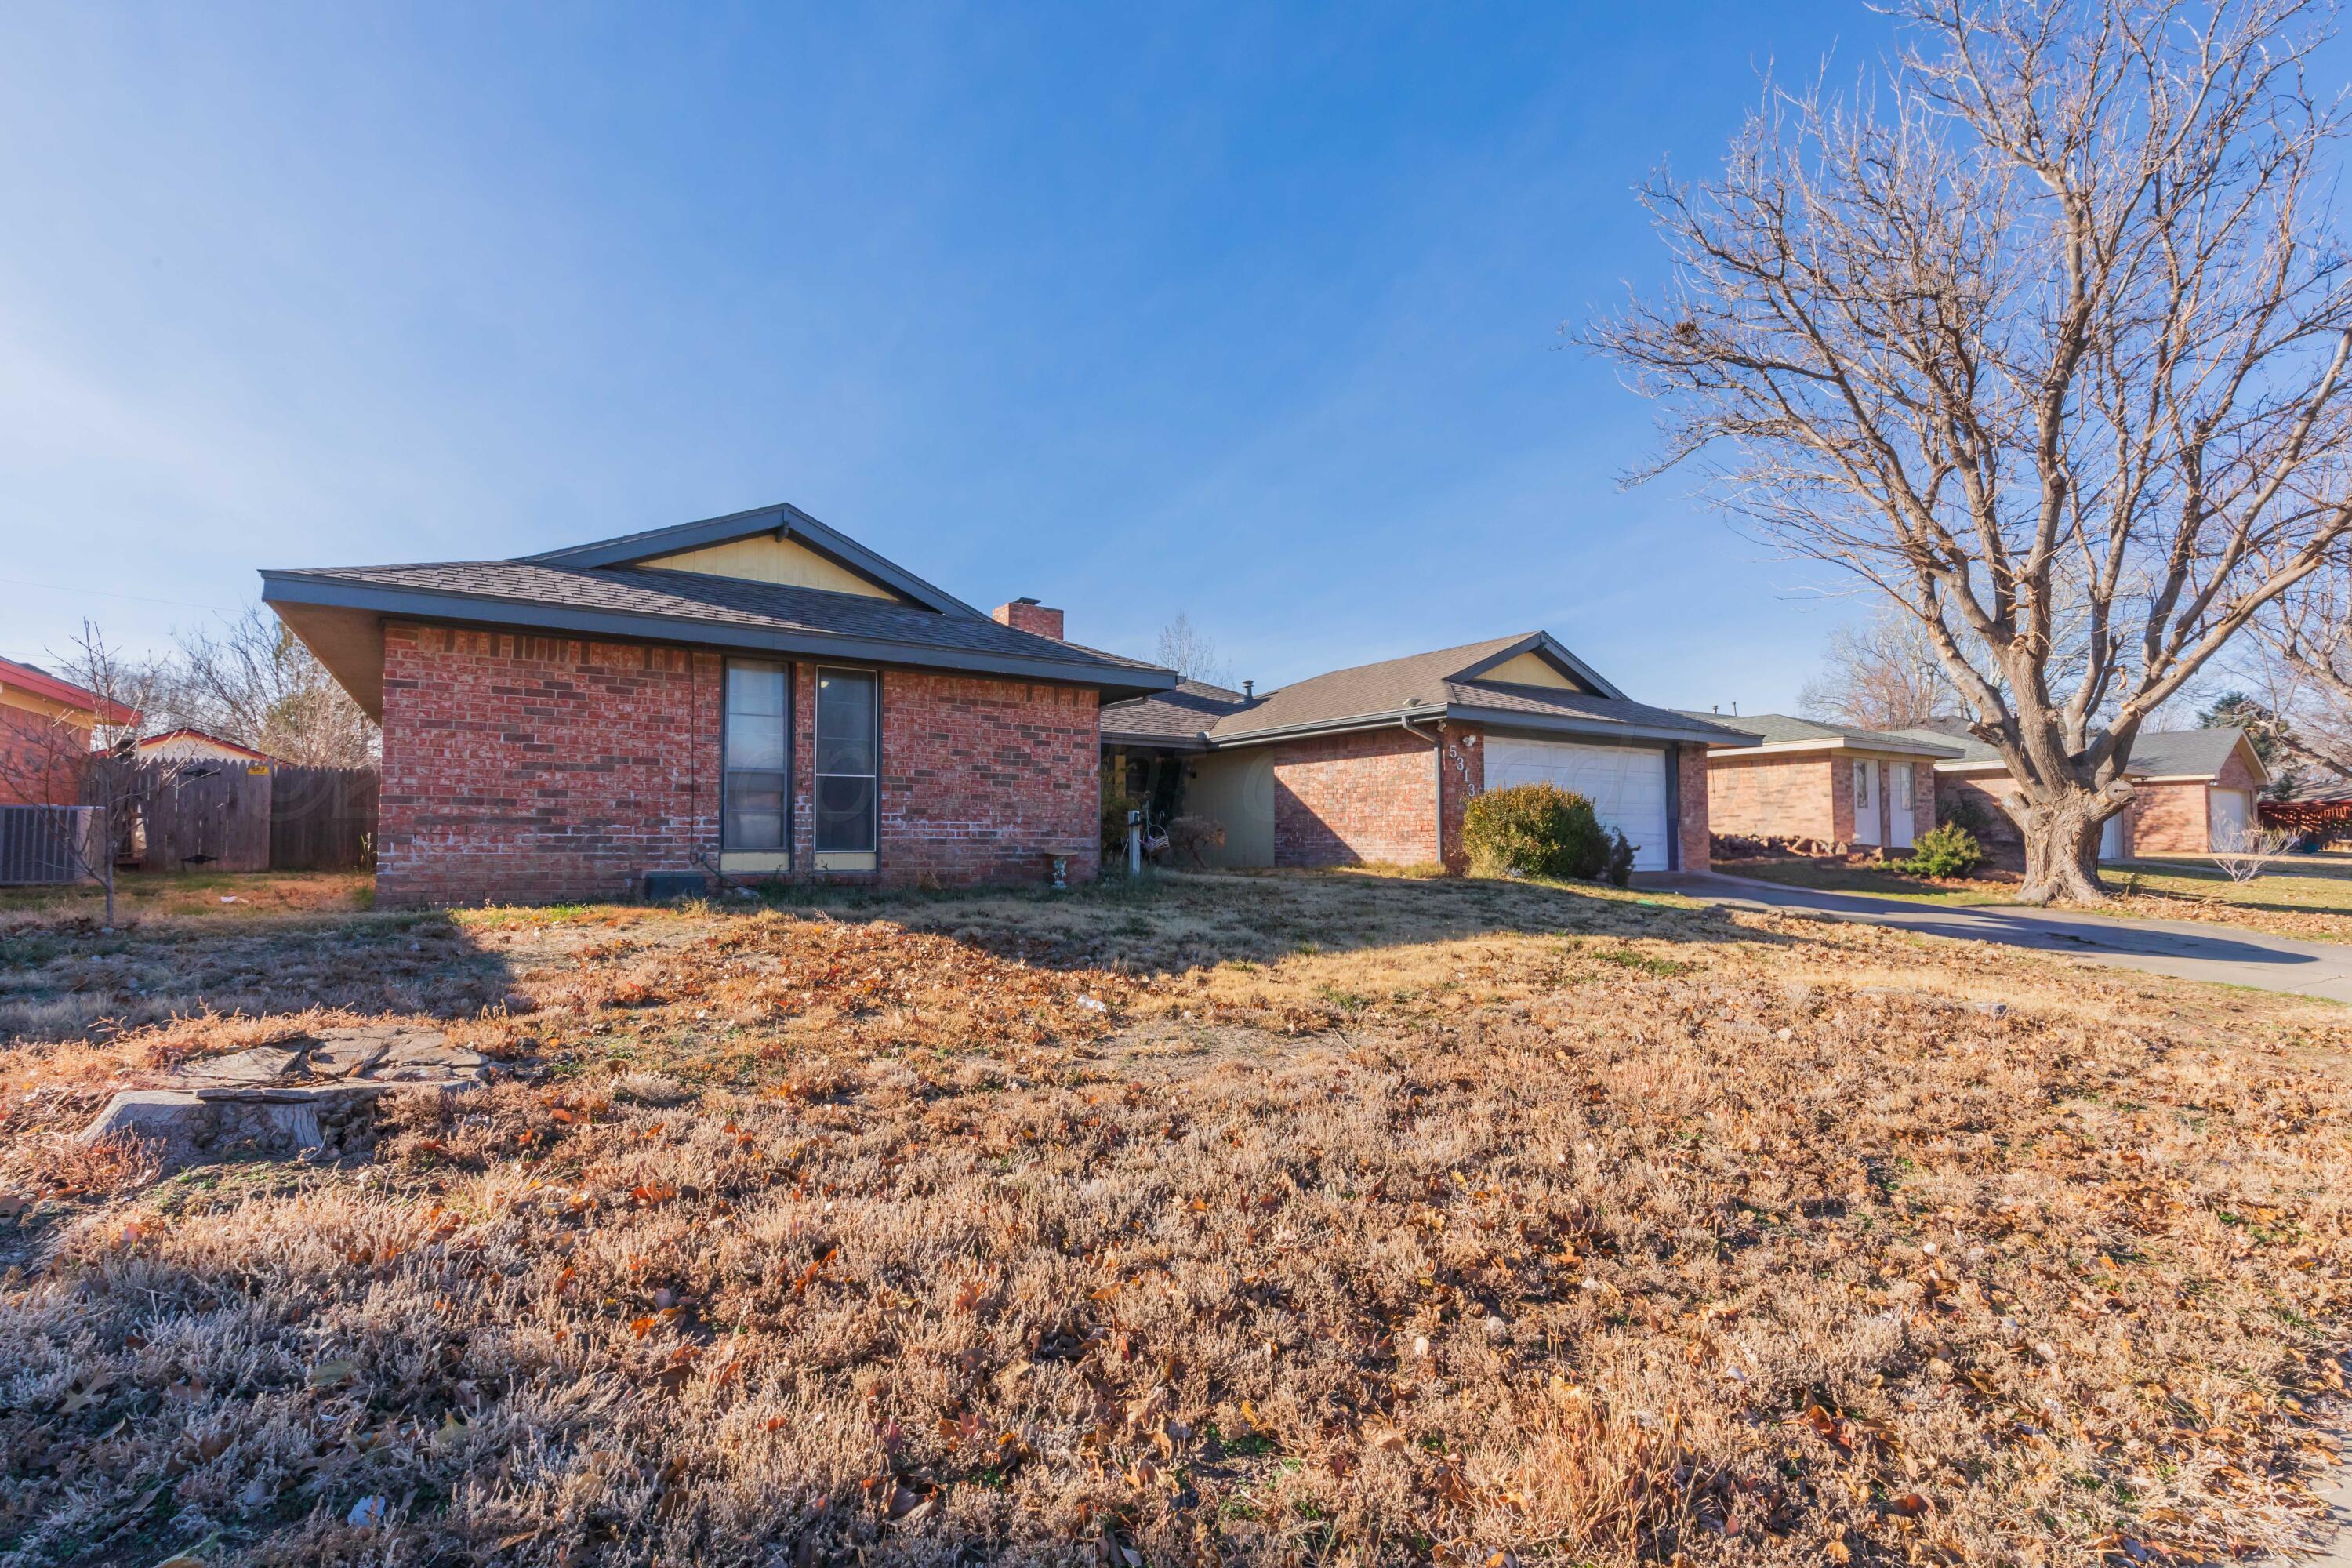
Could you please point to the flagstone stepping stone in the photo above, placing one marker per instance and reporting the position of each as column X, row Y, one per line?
column 309, row 1098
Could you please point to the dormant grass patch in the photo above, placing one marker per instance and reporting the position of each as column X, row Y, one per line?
column 1276, row 1219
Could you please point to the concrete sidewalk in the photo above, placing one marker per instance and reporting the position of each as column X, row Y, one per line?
column 2189, row 950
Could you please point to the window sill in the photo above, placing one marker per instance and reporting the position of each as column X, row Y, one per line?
column 753, row 861
column 847, row 860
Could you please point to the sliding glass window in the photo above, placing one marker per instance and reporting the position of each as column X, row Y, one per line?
column 848, row 755
column 754, row 805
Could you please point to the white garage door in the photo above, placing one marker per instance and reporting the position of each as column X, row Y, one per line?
column 2233, row 817
column 1627, row 786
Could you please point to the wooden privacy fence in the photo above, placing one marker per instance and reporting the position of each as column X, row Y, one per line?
column 203, row 815
column 2328, row 821
column 323, row 819
column 209, row 816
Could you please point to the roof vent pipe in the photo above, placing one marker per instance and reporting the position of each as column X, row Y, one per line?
column 1249, row 688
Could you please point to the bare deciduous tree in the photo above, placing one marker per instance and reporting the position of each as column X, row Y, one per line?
column 1192, row 653
column 1881, row 675
column 251, row 680
column 2304, row 651
column 2054, row 305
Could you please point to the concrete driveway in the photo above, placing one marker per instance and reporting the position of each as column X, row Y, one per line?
column 2191, row 950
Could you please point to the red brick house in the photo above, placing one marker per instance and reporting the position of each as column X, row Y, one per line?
column 1374, row 764
column 1832, row 784
column 47, row 726
column 2193, row 791
column 754, row 695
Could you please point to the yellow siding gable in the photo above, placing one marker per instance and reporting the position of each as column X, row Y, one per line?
column 768, row 559
column 1530, row 669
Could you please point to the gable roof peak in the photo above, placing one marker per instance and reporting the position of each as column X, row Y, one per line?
column 784, row 520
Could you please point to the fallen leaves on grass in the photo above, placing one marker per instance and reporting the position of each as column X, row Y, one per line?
column 1783, row 1242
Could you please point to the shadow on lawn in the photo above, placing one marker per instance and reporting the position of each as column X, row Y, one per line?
column 1175, row 922
column 70, row 979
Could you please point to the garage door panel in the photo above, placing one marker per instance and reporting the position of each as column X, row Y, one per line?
column 1626, row 785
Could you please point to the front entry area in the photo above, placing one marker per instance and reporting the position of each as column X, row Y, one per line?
column 1626, row 785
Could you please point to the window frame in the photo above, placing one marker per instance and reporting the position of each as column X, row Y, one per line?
column 738, row 858
column 827, row 860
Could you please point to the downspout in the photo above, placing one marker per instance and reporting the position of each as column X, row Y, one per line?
column 1436, row 780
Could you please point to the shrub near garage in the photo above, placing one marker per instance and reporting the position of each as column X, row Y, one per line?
column 1542, row 830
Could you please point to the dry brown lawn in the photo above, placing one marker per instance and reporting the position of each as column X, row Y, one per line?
column 1272, row 1219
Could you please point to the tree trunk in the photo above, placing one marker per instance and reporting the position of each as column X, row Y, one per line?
column 2062, row 848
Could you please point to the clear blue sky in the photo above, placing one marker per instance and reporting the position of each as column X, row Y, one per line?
column 1138, row 309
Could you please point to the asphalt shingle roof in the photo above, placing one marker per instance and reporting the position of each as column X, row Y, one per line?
column 722, row 602
column 1420, row 681
column 2156, row 753
column 1184, row 713
column 2184, row 753
column 1782, row 728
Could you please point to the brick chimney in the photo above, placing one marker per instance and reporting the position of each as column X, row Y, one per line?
column 1029, row 616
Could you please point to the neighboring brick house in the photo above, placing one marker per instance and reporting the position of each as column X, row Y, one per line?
column 47, row 726
column 1834, row 785
column 754, row 695
column 2193, row 792
column 1374, row 764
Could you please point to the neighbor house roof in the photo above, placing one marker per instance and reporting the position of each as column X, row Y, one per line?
column 1781, row 731
column 206, row 737
column 604, row 590
column 31, row 680
column 2192, row 753
column 1445, row 683
column 2154, row 753
column 2320, row 791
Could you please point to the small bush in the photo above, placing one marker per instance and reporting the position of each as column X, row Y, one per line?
column 1948, row 850
column 1618, row 867
column 1535, row 830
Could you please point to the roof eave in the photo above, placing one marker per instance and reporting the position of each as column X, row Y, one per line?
column 1155, row 742
column 1599, row 729
column 476, row 609
column 1491, row 718
column 1848, row 744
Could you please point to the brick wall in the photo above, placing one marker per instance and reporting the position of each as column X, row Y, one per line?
column 1980, row 796
column 41, row 758
column 981, row 775
column 1811, row 795
column 1365, row 798
column 2176, row 818
column 1697, row 807
column 2169, row 819
column 1786, row 797
column 1463, row 772
column 1346, row 800
column 529, row 768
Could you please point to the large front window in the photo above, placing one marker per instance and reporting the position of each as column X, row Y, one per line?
column 753, row 815
column 848, row 753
